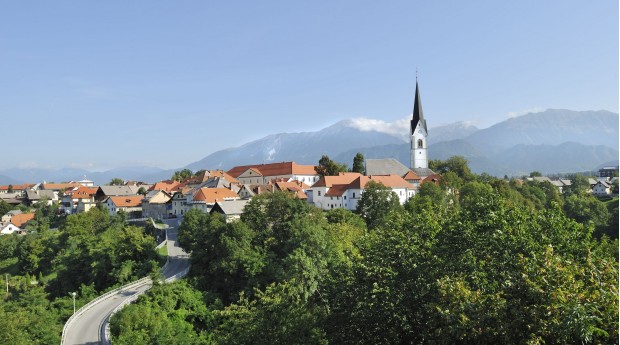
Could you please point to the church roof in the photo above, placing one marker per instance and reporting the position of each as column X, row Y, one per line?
column 418, row 115
column 385, row 166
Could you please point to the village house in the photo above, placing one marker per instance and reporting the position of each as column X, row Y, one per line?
column 157, row 204
column 129, row 204
column 204, row 198
column 35, row 196
column 345, row 190
column 9, row 229
column 78, row 200
column 229, row 209
column 104, row 192
column 296, row 187
column 602, row 188
column 261, row 174
column 20, row 220
column 7, row 217
column 168, row 186
column 19, row 190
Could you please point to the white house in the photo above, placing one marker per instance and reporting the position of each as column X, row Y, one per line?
column 130, row 204
column 346, row 189
column 601, row 188
column 8, row 229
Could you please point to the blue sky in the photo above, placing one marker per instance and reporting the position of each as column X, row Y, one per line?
column 116, row 83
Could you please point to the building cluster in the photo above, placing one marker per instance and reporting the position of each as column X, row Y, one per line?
column 227, row 192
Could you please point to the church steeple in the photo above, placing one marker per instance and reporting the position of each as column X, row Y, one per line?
column 419, row 133
column 418, row 115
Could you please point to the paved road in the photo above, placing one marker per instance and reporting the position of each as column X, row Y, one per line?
column 86, row 328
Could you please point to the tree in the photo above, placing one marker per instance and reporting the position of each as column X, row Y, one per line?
column 181, row 175
column 328, row 167
column 535, row 174
column 376, row 203
column 456, row 164
column 579, row 185
column 116, row 182
column 142, row 191
column 10, row 189
column 358, row 164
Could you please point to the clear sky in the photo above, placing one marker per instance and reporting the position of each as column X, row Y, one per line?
column 101, row 84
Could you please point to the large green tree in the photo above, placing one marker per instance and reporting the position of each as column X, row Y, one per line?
column 358, row 164
column 328, row 167
column 376, row 204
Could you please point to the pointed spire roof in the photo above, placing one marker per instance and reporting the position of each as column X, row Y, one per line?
column 418, row 115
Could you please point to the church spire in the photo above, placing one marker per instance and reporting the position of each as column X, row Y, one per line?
column 418, row 115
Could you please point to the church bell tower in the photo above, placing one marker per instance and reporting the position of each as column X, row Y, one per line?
column 419, row 132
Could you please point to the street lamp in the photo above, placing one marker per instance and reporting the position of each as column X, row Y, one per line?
column 73, row 294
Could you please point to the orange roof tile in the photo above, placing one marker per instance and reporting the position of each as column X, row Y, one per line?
column 168, row 186
column 60, row 186
column 211, row 195
column 20, row 219
column 18, row 186
column 342, row 178
column 82, row 192
column 127, row 201
column 337, row 190
column 275, row 169
column 410, row 175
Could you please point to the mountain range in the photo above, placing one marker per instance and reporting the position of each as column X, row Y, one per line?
column 552, row 141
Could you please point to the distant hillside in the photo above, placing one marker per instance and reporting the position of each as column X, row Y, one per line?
column 550, row 127
column 303, row 148
column 63, row 175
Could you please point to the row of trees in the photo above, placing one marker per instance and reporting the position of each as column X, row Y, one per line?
column 492, row 261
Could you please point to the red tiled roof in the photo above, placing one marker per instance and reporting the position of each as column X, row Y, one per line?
column 338, row 190
column 168, row 186
column 82, row 192
column 20, row 219
column 410, row 175
column 275, row 169
column 60, row 186
column 127, row 201
column 342, row 178
column 211, row 195
column 18, row 186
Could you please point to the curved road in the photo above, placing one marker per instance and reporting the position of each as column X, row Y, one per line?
column 86, row 328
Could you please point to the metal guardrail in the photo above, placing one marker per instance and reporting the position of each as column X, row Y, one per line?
column 104, row 327
column 96, row 301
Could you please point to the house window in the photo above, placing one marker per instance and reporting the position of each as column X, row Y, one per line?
column 345, row 197
column 420, row 143
column 319, row 193
column 353, row 195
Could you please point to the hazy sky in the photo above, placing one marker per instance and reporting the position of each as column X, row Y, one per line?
column 100, row 84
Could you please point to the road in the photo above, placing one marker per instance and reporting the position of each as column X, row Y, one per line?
column 87, row 327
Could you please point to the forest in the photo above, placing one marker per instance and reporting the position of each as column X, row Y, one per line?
column 474, row 259
column 87, row 253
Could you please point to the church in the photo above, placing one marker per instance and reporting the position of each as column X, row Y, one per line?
column 418, row 136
